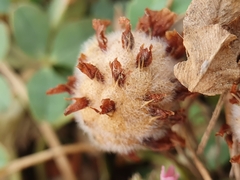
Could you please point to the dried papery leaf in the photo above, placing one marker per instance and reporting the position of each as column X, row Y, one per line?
column 79, row 104
column 61, row 88
column 90, row 70
column 211, row 39
column 100, row 26
column 144, row 57
column 202, row 13
column 117, row 72
column 127, row 36
column 175, row 42
column 211, row 67
column 156, row 23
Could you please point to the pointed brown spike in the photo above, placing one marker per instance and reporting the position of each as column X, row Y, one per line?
column 100, row 26
column 117, row 72
column 144, row 57
column 82, row 58
column 175, row 42
column 61, row 88
column 225, row 129
column 79, row 104
column 156, row 23
column 235, row 159
column 107, row 106
column 90, row 70
column 156, row 111
column 127, row 36
column 155, row 97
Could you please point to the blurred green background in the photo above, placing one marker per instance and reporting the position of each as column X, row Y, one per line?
column 39, row 45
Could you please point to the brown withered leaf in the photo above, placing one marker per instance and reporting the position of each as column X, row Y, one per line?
column 156, row 23
column 100, row 26
column 61, row 88
column 127, row 36
column 211, row 38
column 90, row 70
column 117, row 72
column 79, row 104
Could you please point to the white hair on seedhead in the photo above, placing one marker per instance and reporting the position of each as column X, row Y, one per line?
column 235, row 120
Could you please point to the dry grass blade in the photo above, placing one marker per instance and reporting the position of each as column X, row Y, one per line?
column 211, row 124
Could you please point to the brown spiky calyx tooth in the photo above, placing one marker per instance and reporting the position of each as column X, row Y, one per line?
column 156, row 111
column 79, row 104
column 82, row 58
column 235, row 92
column 144, row 57
column 117, row 72
column 61, row 88
column 166, row 143
column 127, row 36
column 90, row 70
column 225, row 129
column 156, row 23
column 108, row 106
column 175, row 42
column 154, row 97
column 100, row 26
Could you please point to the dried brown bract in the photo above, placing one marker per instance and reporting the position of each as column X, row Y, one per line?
column 127, row 36
column 144, row 57
column 90, row 70
column 100, row 26
column 117, row 72
column 61, row 88
column 80, row 103
column 175, row 41
column 156, row 23
column 211, row 38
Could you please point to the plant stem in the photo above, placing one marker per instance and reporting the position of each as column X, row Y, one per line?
column 30, row 160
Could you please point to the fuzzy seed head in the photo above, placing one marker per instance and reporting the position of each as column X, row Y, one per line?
column 125, row 91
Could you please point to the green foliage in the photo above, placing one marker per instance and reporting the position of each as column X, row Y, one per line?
column 4, row 6
column 4, row 157
column 68, row 40
column 4, row 40
column 102, row 9
column 43, row 107
column 31, row 30
column 180, row 6
column 5, row 96
column 56, row 11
